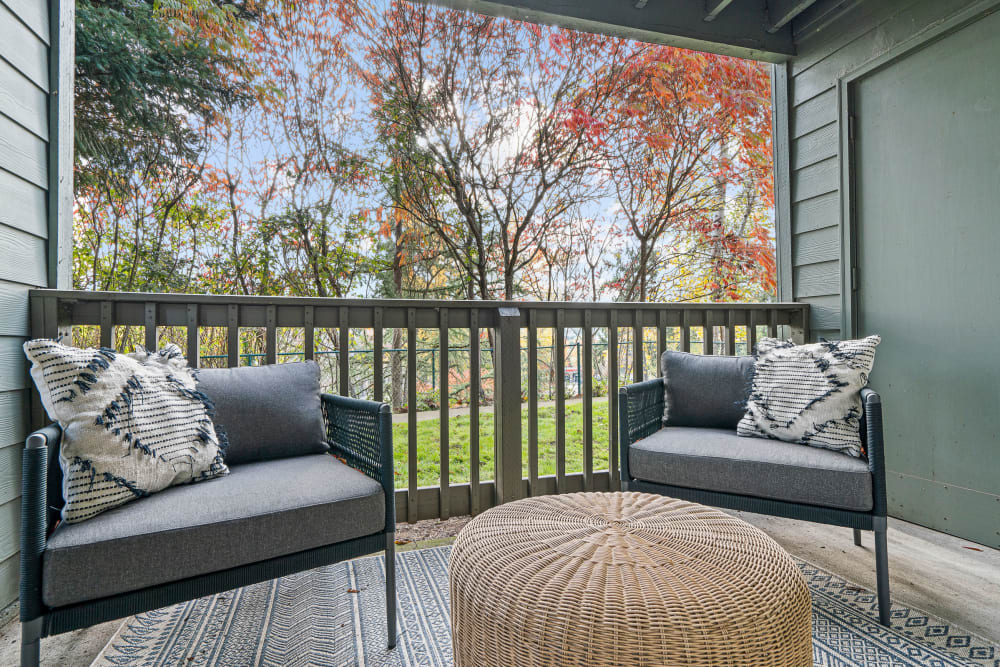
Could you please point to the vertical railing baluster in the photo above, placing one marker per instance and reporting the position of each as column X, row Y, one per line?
column 731, row 332
column 532, row 402
column 309, row 332
column 613, row 400
column 378, row 379
column 193, row 337
column 685, row 330
column 661, row 339
column 233, row 336
column 752, row 332
column 412, row 507
column 638, row 348
column 708, row 334
column 107, row 324
column 772, row 323
column 560, row 344
column 271, row 336
column 474, row 388
column 344, row 351
column 587, row 375
column 150, row 341
column 443, row 409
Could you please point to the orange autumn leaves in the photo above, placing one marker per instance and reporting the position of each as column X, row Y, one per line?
column 467, row 156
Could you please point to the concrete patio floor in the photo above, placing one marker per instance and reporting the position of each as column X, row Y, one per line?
column 956, row 580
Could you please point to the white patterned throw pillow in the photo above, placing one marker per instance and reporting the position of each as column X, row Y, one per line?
column 810, row 394
column 132, row 424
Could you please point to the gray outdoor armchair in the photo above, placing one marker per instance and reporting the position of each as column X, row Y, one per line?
column 198, row 539
column 716, row 467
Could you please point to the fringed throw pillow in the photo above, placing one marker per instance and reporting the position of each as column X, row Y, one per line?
column 809, row 394
column 132, row 424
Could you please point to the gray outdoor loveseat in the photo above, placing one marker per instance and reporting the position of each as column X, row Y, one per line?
column 705, row 461
column 268, row 518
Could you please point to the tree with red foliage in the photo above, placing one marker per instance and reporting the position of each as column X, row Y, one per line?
column 683, row 129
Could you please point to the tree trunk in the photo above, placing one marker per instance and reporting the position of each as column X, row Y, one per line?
column 643, row 270
column 718, row 225
column 396, row 363
column 396, row 370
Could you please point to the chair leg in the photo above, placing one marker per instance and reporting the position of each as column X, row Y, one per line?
column 857, row 537
column 31, row 636
column 882, row 570
column 390, row 587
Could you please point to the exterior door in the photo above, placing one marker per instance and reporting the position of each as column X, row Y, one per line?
column 926, row 162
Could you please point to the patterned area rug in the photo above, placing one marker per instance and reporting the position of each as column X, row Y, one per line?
column 314, row 618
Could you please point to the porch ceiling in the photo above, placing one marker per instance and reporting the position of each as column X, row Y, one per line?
column 757, row 29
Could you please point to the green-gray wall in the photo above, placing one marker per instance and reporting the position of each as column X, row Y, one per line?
column 830, row 47
column 940, row 476
column 34, row 150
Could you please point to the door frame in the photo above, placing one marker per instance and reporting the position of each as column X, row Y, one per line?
column 846, row 102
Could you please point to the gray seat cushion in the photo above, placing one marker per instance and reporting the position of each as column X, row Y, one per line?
column 719, row 460
column 700, row 390
column 266, row 412
column 259, row 511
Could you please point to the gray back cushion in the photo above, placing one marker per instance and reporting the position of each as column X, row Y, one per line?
column 266, row 412
column 708, row 391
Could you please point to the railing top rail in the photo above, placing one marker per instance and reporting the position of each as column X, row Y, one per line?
column 146, row 297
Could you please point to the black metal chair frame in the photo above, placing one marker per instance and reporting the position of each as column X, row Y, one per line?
column 359, row 432
column 640, row 409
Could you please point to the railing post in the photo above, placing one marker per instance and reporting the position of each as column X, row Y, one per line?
column 45, row 323
column 193, row 335
column 507, row 369
column 800, row 325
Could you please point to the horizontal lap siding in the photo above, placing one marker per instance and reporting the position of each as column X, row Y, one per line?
column 828, row 50
column 23, row 205
column 24, row 134
column 14, row 306
column 22, row 258
column 816, row 146
column 816, row 246
column 23, row 101
column 33, row 14
column 9, row 576
column 14, row 405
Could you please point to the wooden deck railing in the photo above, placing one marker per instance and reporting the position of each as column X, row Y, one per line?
column 514, row 330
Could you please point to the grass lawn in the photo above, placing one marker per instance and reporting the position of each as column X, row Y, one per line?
column 429, row 444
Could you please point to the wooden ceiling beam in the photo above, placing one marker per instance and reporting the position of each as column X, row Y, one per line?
column 781, row 12
column 714, row 7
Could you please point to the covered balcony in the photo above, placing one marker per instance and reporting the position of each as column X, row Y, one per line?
column 886, row 153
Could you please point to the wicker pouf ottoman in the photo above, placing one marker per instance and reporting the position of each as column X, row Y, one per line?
column 623, row 579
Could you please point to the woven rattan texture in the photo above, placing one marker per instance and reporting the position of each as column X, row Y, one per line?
column 623, row 579
column 644, row 414
column 352, row 431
